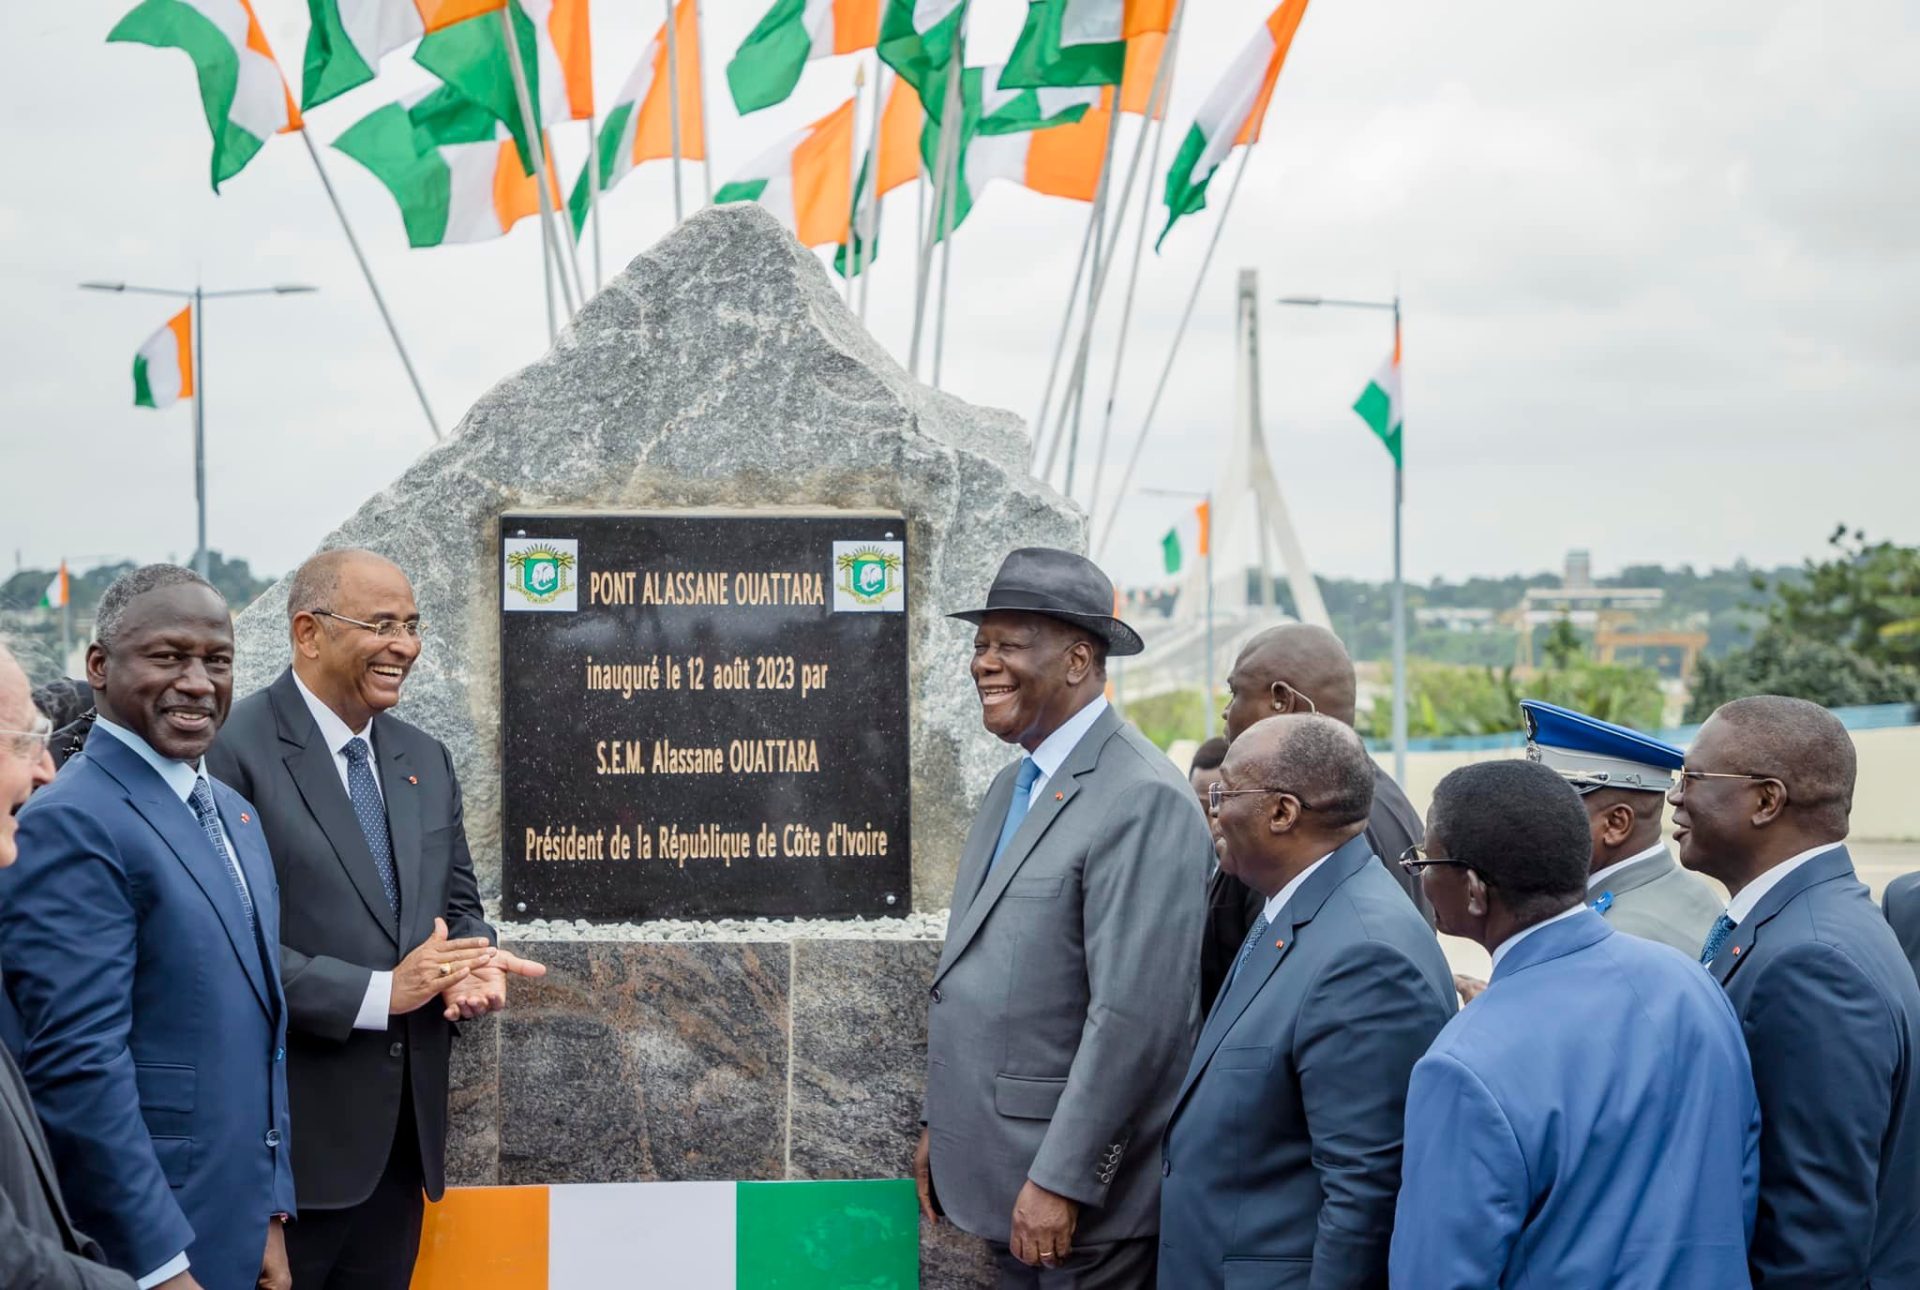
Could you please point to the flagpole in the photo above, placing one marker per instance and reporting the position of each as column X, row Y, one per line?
column 1206, row 688
column 536, row 140
column 200, row 562
column 593, row 196
column 1097, row 226
column 1399, row 592
column 66, row 619
column 873, row 170
column 546, row 277
column 1060, row 343
column 1157, row 122
column 850, row 262
column 944, row 169
column 1173, row 352
column 699, row 70
column 673, row 106
column 366, row 271
column 956, row 102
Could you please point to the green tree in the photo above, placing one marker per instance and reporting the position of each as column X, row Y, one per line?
column 1818, row 671
column 1865, row 599
column 1451, row 701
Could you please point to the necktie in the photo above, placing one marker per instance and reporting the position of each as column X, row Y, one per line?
column 372, row 814
column 1246, row 951
column 1017, row 808
column 201, row 799
column 1716, row 939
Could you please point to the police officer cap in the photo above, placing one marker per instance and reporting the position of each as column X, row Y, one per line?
column 1591, row 753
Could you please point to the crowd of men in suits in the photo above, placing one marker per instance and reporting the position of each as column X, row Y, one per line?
column 235, row 942
column 1218, row 1045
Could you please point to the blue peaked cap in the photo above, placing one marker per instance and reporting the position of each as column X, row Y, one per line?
column 1591, row 753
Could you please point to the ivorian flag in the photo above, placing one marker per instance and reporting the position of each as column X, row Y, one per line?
column 829, row 1235
column 1232, row 114
column 1081, row 42
column 57, row 593
column 1009, row 135
column 795, row 32
column 346, row 39
column 898, row 155
column 1381, row 405
column 917, row 40
column 805, row 180
column 452, row 168
column 640, row 125
column 163, row 366
column 551, row 36
column 1170, row 551
column 245, row 97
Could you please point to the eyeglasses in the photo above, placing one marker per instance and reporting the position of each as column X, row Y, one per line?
column 386, row 629
column 1688, row 775
column 1416, row 861
column 1216, row 791
column 31, row 743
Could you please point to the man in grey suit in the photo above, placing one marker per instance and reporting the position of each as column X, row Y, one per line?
column 1825, row 996
column 1064, row 1004
column 1282, row 1159
column 39, row 1247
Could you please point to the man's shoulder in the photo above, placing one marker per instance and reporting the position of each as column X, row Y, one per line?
column 1903, row 895
column 387, row 728
column 1129, row 757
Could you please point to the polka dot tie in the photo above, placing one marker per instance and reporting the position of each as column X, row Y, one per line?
column 1246, row 951
column 372, row 814
column 201, row 800
column 1716, row 940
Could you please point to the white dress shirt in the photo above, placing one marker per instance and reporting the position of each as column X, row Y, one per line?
column 181, row 777
column 1278, row 901
column 376, row 1005
column 1500, row 951
column 1743, row 904
column 1597, row 881
column 1056, row 747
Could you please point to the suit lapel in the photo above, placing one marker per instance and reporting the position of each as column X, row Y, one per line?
column 1056, row 795
column 1640, row 873
column 399, row 785
column 315, row 773
column 174, row 821
column 1837, row 863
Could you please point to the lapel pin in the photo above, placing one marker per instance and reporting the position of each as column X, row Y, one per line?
column 245, row 818
column 1736, row 951
column 1059, row 797
column 1279, row 945
column 414, row 780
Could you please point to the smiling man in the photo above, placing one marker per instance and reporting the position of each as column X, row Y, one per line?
column 1064, row 1004
column 384, row 943
column 136, row 931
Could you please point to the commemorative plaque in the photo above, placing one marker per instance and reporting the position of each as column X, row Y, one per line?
column 704, row 715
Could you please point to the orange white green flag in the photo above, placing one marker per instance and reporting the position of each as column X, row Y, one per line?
column 1081, row 42
column 551, row 38
column 346, row 39
column 794, row 33
column 453, row 169
column 806, row 180
column 58, row 592
column 895, row 155
column 1382, row 406
column 245, row 97
column 163, row 366
column 639, row 126
column 1233, row 113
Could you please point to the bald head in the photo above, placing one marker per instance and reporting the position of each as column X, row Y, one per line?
column 316, row 584
column 1803, row 744
column 1295, row 667
column 1317, row 759
column 24, row 764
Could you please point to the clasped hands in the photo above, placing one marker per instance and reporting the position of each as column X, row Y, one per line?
column 469, row 975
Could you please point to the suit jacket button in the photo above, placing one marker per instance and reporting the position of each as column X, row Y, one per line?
column 1166, row 1168
column 395, row 1049
column 273, row 1137
column 279, row 1054
column 935, row 993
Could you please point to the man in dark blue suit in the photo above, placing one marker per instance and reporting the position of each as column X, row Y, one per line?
column 1283, row 1155
column 1901, row 905
column 1589, row 1120
column 137, row 934
column 1829, row 1003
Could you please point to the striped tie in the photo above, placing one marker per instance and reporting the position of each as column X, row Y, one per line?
column 1716, row 940
column 202, row 802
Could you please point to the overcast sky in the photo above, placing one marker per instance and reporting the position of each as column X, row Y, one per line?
column 1660, row 262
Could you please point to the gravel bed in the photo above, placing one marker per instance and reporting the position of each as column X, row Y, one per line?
column 930, row 926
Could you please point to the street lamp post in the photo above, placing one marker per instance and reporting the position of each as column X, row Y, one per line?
column 1206, row 539
column 198, row 296
column 1399, row 496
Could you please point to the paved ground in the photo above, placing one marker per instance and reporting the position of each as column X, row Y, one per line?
column 1878, row 863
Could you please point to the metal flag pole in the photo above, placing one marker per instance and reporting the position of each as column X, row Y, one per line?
column 536, row 141
column 700, row 71
column 197, row 298
column 66, row 617
column 1173, row 353
column 1101, row 251
column 593, row 196
column 944, row 170
column 1399, row 592
column 673, row 107
column 872, row 220
column 956, row 105
column 850, row 262
column 366, row 271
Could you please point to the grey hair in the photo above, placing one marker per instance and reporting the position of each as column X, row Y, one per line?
column 129, row 587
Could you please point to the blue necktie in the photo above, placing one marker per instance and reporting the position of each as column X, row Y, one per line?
column 372, row 814
column 1716, row 940
column 1246, row 951
column 201, row 800
column 1017, row 808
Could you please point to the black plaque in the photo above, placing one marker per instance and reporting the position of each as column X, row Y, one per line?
column 704, row 715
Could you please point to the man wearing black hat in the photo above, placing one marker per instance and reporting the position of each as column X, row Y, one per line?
column 1065, row 1003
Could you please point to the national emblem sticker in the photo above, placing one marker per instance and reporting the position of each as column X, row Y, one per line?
column 869, row 577
column 541, row 575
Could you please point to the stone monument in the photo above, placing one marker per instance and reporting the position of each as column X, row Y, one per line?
column 719, row 376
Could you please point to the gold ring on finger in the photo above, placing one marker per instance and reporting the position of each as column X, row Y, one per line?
column 445, row 970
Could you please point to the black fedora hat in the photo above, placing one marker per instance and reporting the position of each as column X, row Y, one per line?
column 1058, row 584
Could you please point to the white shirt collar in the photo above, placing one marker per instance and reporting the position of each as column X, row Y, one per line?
column 1750, row 895
column 180, row 776
column 1597, row 880
column 1278, row 901
column 1500, row 951
column 332, row 729
column 1054, row 749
